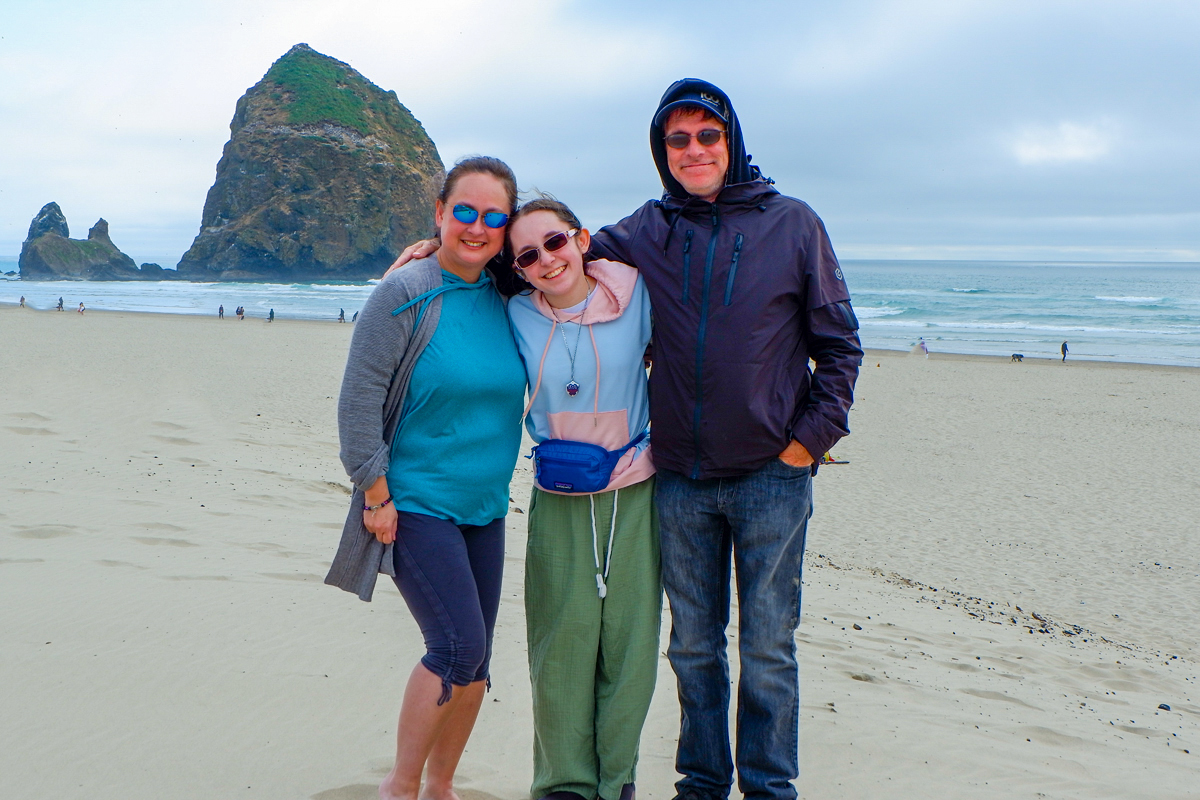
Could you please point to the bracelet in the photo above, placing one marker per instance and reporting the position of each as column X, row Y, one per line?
column 376, row 508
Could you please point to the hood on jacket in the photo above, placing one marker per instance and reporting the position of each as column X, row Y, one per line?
column 740, row 168
column 615, row 283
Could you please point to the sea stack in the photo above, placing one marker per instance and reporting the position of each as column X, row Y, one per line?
column 49, row 254
column 325, row 177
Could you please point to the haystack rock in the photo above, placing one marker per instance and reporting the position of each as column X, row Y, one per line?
column 325, row 177
column 49, row 254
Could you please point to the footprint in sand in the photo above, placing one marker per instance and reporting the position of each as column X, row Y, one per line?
column 22, row 560
column 163, row 540
column 366, row 791
column 171, row 426
column 29, row 415
column 329, row 487
column 162, row 526
column 179, row 440
column 292, row 576
column 45, row 531
column 105, row 562
column 195, row 577
column 999, row 696
column 30, row 431
column 355, row 791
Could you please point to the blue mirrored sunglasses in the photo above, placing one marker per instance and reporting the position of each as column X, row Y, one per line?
column 493, row 219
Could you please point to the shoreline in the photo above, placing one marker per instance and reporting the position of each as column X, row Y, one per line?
column 875, row 352
column 870, row 352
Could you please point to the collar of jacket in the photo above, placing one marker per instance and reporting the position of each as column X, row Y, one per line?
column 738, row 198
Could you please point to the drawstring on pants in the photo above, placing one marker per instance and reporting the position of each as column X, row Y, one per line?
column 601, row 585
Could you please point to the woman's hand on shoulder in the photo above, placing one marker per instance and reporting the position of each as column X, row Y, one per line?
column 422, row 249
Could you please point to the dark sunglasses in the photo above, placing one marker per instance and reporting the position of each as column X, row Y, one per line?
column 707, row 138
column 554, row 243
column 467, row 215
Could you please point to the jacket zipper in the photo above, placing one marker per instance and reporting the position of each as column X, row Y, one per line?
column 687, row 265
column 737, row 255
column 704, row 298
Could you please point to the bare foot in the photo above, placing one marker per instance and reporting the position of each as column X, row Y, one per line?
column 436, row 793
column 393, row 789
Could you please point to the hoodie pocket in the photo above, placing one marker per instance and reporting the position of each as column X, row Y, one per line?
column 733, row 265
column 687, row 265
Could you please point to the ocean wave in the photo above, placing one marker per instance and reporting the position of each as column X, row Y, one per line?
column 869, row 312
column 1178, row 330
column 1139, row 300
column 968, row 291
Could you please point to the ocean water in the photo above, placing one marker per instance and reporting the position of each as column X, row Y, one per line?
column 1148, row 313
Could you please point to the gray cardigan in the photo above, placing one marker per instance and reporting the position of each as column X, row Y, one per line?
column 383, row 352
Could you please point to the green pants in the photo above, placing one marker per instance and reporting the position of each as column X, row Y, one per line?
column 592, row 660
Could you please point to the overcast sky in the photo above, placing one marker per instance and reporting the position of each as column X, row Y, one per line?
column 955, row 129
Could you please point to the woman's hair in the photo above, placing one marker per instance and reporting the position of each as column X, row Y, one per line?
column 484, row 165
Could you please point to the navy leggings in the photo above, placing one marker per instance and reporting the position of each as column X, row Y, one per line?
column 450, row 577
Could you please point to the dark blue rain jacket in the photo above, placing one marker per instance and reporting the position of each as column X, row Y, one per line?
column 745, row 290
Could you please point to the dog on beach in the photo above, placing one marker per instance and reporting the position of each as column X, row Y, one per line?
column 1018, row 357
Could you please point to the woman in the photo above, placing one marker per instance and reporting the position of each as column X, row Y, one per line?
column 429, row 419
column 592, row 590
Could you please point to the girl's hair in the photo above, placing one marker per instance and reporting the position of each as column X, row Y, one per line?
column 485, row 165
column 547, row 202
column 512, row 282
column 500, row 266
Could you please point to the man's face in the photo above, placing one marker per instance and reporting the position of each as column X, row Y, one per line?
column 701, row 170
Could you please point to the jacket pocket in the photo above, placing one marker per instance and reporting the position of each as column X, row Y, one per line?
column 733, row 265
column 687, row 265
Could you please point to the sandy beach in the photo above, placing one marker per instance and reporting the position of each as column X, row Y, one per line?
column 1001, row 587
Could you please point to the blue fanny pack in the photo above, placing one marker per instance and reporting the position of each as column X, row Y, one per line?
column 577, row 467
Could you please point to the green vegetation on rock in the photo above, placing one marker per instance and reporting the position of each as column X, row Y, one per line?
column 48, row 253
column 319, row 89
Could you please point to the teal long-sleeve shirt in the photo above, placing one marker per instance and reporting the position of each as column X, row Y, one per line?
column 459, row 434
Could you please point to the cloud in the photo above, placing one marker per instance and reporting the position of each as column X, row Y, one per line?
column 1065, row 142
column 904, row 123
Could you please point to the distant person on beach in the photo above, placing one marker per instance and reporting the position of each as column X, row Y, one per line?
column 341, row 315
column 435, row 350
column 736, row 419
column 355, row 317
column 22, row 301
column 271, row 316
column 241, row 313
column 80, row 309
column 60, row 304
column 924, row 347
column 593, row 595
column 221, row 312
column 1064, row 352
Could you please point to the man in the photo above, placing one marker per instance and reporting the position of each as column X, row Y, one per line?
column 745, row 289
column 1063, row 349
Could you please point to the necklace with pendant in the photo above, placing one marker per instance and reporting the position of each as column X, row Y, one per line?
column 572, row 384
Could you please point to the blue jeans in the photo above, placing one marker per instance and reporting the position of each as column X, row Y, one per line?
column 759, row 519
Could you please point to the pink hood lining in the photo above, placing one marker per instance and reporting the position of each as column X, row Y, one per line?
column 614, row 290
